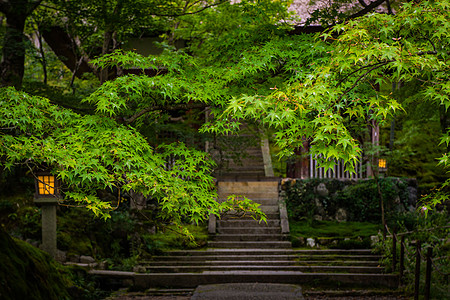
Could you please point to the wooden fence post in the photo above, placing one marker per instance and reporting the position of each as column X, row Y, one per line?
column 394, row 251
column 428, row 273
column 417, row 272
column 402, row 258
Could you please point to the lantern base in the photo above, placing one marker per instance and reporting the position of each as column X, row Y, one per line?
column 49, row 200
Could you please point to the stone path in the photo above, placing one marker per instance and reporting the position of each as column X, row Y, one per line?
column 260, row 290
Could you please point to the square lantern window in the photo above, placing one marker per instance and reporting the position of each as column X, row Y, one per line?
column 382, row 165
column 47, row 186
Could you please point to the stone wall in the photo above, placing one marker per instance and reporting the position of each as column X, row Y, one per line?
column 347, row 200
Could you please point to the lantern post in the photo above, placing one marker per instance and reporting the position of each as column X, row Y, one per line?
column 47, row 194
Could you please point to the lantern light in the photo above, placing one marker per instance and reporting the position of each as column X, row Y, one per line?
column 382, row 165
column 47, row 194
column 47, row 186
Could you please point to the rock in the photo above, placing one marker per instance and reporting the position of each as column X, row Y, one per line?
column 139, row 269
column 319, row 207
column 61, row 256
column 324, row 241
column 341, row 215
column 87, row 259
column 412, row 196
column 301, row 241
column 374, row 239
column 310, row 242
column 322, row 190
column 74, row 258
column 318, row 218
column 152, row 230
column 137, row 200
column 103, row 265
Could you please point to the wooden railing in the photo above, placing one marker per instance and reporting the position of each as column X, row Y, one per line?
column 420, row 254
column 337, row 172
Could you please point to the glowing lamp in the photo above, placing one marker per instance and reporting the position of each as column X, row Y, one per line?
column 382, row 165
column 47, row 187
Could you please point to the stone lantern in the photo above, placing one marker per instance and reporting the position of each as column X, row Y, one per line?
column 47, row 195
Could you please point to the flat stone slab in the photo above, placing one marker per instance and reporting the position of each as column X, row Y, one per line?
column 248, row 291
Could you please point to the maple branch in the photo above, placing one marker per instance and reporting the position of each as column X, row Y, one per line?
column 163, row 107
column 356, row 71
column 366, row 9
column 363, row 76
column 190, row 13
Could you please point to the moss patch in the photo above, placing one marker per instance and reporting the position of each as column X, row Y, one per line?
column 28, row 273
column 169, row 239
column 332, row 229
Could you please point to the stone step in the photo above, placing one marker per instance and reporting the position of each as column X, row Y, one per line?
column 267, row 209
column 229, row 216
column 226, row 178
column 249, row 161
column 339, row 257
column 334, row 252
column 374, row 263
column 231, row 251
column 250, row 244
column 248, row 237
column 248, row 187
column 272, row 221
column 189, row 280
column 250, row 261
column 255, row 196
column 263, row 252
column 259, row 201
column 249, row 230
column 246, row 170
column 220, row 263
column 197, row 258
column 309, row 269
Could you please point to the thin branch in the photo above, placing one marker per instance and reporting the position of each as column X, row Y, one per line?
column 163, row 107
column 366, row 9
column 362, row 77
column 364, row 4
column 191, row 13
column 356, row 71
column 426, row 52
column 389, row 8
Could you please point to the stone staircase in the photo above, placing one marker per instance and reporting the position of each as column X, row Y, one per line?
column 275, row 260
column 243, row 250
column 233, row 232
column 313, row 268
column 247, row 251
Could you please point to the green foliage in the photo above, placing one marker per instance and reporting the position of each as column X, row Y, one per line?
column 91, row 153
column 241, row 206
column 359, row 199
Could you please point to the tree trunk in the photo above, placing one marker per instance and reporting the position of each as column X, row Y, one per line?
column 62, row 45
column 13, row 56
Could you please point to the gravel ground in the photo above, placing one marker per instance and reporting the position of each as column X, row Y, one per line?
column 321, row 297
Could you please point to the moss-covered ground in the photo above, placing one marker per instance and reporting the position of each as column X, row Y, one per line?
column 28, row 273
column 332, row 229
